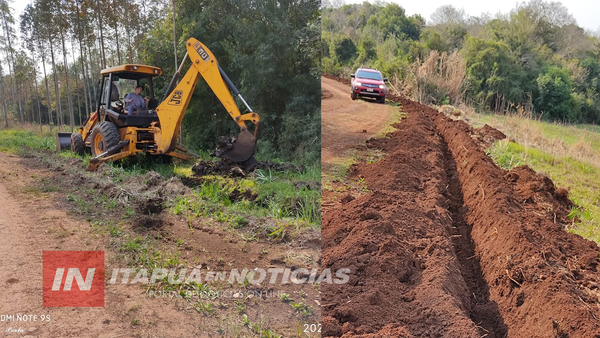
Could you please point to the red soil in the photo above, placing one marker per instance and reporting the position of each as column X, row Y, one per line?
column 447, row 244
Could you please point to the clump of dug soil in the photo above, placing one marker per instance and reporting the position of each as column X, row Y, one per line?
column 232, row 169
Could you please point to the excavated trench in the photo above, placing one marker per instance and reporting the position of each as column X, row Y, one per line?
column 446, row 244
column 483, row 312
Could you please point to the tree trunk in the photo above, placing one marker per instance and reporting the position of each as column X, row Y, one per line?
column 174, row 36
column 5, row 113
column 129, row 49
column 49, row 103
column 101, row 34
column 83, row 68
column 37, row 95
column 10, row 73
column 11, row 60
column 77, row 83
column 117, row 8
column 83, row 57
column 56, row 92
column 3, row 100
column 69, row 99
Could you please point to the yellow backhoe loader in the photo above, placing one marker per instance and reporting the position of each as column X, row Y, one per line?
column 113, row 134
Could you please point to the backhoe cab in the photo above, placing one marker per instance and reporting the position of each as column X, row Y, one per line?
column 112, row 134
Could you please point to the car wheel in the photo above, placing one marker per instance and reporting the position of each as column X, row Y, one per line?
column 382, row 99
column 353, row 95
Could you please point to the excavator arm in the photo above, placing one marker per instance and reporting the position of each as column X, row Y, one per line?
column 172, row 109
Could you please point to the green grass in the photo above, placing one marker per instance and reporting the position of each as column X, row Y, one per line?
column 581, row 178
column 20, row 141
column 279, row 195
column 302, row 309
column 258, row 328
column 580, row 140
column 283, row 195
column 395, row 117
column 205, row 308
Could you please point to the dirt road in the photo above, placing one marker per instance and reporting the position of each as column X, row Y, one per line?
column 47, row 203
column 30, row 223
column 345, row 126
column 346, row 123
column 446, row 244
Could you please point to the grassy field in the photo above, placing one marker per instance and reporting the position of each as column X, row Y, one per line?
column 568, row 154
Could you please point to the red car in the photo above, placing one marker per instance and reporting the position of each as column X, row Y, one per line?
column 369, row 83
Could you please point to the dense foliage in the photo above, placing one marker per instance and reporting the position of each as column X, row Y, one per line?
column 269, row 49
column 534, row 58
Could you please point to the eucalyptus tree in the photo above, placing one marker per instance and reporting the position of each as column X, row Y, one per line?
column 7, row 23
column 33, row 39
column 44, row 13
column 63, row 25
column 2, row 89
column 78, row 33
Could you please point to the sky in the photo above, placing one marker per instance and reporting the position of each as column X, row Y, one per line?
column 586, row 12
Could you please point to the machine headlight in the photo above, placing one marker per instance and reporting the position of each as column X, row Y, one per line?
column 357, row 84
column 382, row 86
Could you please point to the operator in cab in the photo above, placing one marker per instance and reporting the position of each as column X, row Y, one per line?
column 135, row 101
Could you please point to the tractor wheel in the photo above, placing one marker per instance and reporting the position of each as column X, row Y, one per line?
column 104, row 136
column 77, row 145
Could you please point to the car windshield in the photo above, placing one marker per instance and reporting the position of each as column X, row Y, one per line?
column 369, row 75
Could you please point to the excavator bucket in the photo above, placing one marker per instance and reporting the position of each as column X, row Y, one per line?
column 240, row 150
column 63, row 141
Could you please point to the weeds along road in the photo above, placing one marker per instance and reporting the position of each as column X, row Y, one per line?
column 345, row 124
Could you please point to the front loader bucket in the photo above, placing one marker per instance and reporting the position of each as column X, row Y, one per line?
column 241, row 150
column 63, row 141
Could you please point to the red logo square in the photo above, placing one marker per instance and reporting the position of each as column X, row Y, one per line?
column 73, row 279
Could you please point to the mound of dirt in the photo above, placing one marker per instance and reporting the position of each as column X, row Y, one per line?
column 447, row 244
column 147, row 193
column 238, row 195
column 541, row 277
column 152, row 178
column 149, row 205
column 451, row 111
column 396, row 240
column 487, row 135
column 231, row 169
column 533, row 189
